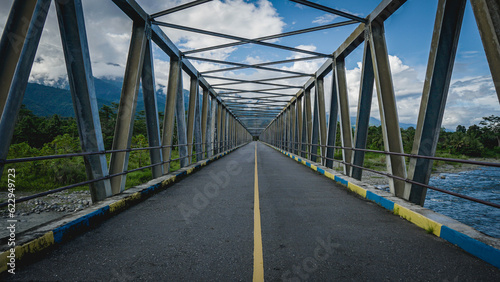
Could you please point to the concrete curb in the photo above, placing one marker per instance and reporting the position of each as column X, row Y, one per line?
column 465, row 237
column 33, row 242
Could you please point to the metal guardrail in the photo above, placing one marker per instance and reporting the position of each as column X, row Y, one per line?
column 285, row 146
column 224, row 144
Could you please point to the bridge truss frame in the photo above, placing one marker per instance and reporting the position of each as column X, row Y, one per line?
column 222, row 122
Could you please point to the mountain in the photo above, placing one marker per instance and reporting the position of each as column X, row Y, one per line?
column 376, row 122
column 46, row 100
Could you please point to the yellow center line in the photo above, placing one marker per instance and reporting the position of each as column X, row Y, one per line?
column 258, row 257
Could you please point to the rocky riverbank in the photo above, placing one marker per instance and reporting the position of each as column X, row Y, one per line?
column 62, row 202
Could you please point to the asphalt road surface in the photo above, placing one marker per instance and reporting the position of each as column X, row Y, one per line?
column 202, row 229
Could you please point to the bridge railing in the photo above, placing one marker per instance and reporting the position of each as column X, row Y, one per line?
column 212, row 149
column 317, row 157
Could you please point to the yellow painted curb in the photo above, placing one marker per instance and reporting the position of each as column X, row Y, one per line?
column 31, row 247
column 356, row 189
column 329, row 175
column 430, row 225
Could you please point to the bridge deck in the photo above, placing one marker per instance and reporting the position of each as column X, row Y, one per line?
column 202, row 229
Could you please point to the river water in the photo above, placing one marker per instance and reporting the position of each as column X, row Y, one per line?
column 483, row 183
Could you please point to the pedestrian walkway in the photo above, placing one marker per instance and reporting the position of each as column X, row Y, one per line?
column 202, row 229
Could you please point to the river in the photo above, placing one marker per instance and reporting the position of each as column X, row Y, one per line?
column 483, row 183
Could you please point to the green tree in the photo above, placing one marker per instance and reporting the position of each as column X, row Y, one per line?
column 461, row 128
column 107, row 116
column 491, row 128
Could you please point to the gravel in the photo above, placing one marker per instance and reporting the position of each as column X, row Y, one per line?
column 62, row 202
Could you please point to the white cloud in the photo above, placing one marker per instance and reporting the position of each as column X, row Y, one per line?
column 469, row 98
column 324, row 19
column 232, row 17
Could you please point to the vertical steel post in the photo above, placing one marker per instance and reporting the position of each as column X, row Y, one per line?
column 126, row 110
column 364, row 108
column 197, row 130
column 211, row 127
column 320, row 99
column 332, row 122
column 286, row 120
column 26, row 43
column 81, row 81
column 193, row 96
column 174, row 82
column 293, row 127
column 151, row 109
column 387, row 107
column 180, row 117
column 204, row 122
column 223, row 130
column 219, row 127
column 308, row 122
column 487, row 14
column 13, row 42
column 315, row 129
column 300, row 125
column 345, row 117
column 437, row 82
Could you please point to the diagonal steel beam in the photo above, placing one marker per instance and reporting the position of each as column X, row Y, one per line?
column 179, row 8
column 275, row 36
column 226, row 94
column 244, row 66
column 237, row 38
column 330, row 10
column 257, row 80
column 240, row 66
column 245, row 90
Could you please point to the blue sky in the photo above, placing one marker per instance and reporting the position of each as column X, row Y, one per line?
column 408, row 34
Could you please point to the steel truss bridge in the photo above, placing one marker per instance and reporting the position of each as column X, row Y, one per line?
column 226, row 112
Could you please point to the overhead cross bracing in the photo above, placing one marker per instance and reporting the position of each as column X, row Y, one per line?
column 248, row 91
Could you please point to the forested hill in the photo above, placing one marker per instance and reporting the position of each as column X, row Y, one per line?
column 46, row 101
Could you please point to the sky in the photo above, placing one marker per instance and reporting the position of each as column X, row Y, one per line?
column 408, row 35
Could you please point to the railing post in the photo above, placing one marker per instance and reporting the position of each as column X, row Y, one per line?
column 387, row 107
column 320, row 99
column 180, row 117
column 300, row 126
column 437, row 81
column 205, row 123
column 212, row 115
column 14, row 77
column 197, row 130
column 151, row 109
column 219, row 127
column 174, row 82
column 345, row 117
column 193, row 97
column 332, row 121
column 487, row 14
column 223, row 130
column 308, row 124
column 126, row 110
column 292, row 127
column 364, row 108
column 81, row 81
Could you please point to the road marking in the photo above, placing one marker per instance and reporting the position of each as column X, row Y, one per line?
column 258, row 257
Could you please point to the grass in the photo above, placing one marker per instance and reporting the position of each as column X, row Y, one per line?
column 429, row 229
